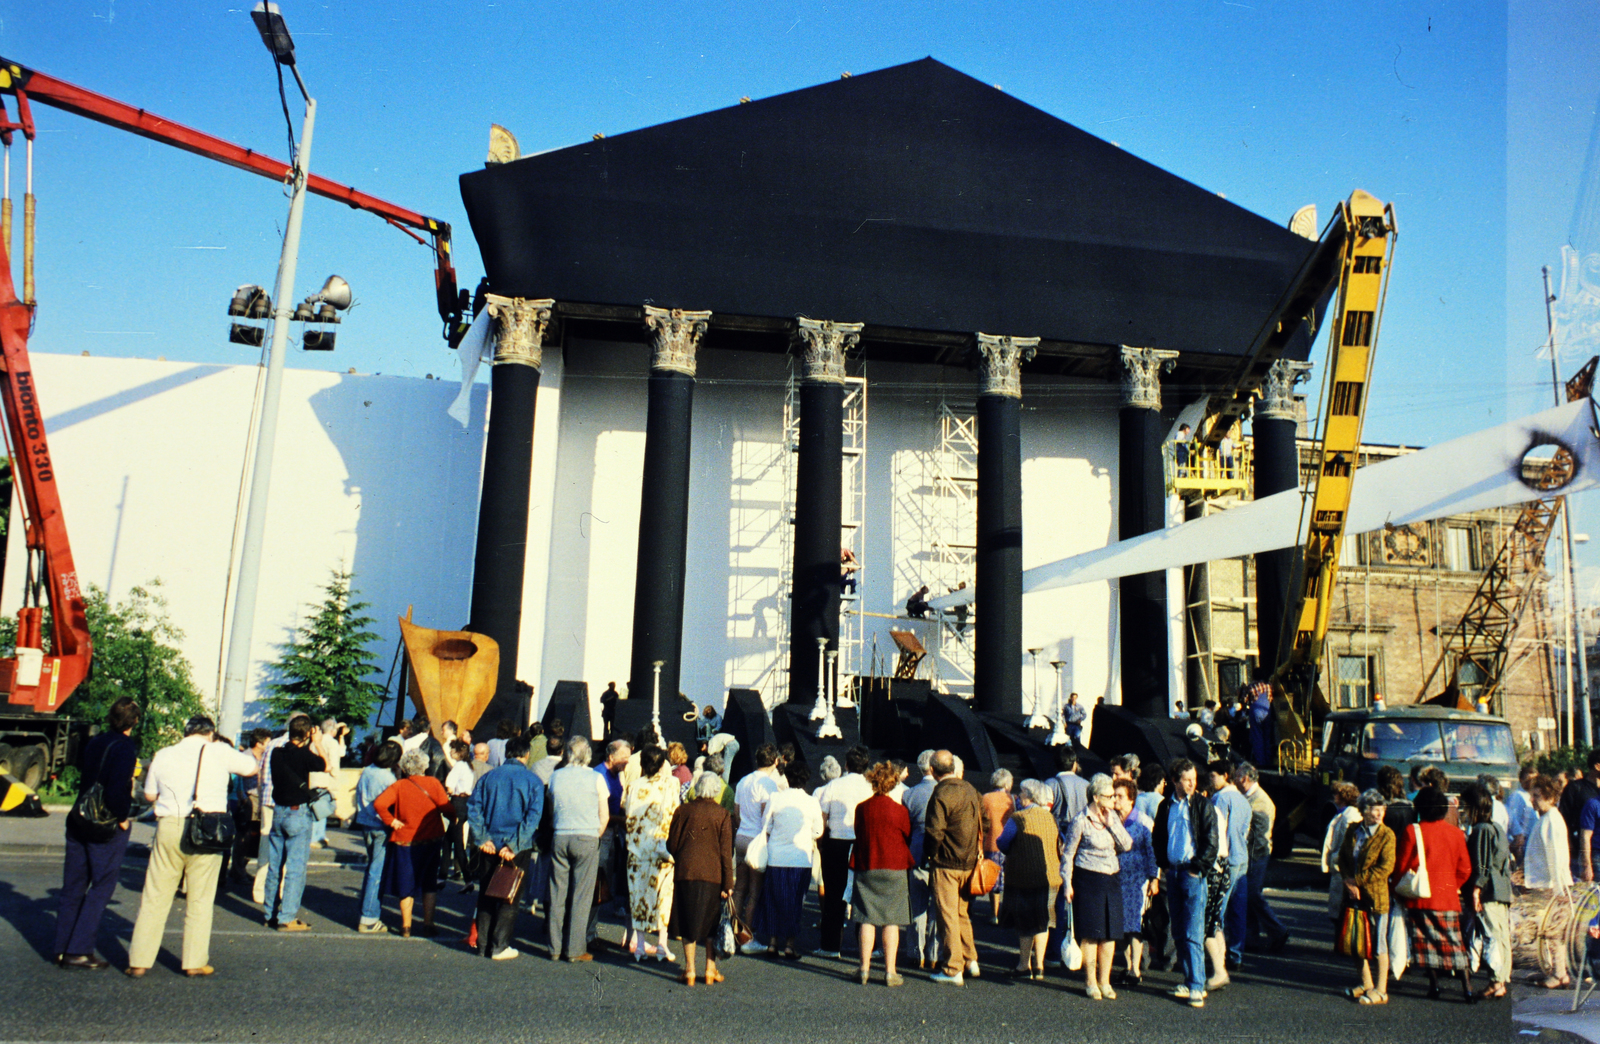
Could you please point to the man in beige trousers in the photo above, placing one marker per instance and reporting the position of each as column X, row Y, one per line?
column 192, row 773
column 951, row 849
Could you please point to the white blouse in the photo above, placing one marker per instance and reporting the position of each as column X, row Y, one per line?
column 793, row 823
column 1547, row 862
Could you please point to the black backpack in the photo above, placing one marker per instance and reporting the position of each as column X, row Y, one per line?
column 90, row 820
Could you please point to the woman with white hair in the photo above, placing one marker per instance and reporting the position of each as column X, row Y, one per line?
column 414, row 808
column 997, row 806
column 1035, row 877
column 700, row 840
column 1093, row 874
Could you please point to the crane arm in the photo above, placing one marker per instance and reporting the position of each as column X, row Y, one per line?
column 29, row 678
column 1352, row 340
column 29, row 85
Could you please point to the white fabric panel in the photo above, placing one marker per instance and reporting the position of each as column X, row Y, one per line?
column 1475, row 472
column 473, row 347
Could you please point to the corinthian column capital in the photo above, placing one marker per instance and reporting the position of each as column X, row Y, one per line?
column 519, row 326
column 1275, row 400
column 1141, row 376
column 824, row 344
column 1000, row 360
column 674, row 336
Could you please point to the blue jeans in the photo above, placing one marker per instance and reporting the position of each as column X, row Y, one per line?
column 1234, row 917
column 372, row 880
column 1258, row 915
column 288, row 848
column 1186, row 900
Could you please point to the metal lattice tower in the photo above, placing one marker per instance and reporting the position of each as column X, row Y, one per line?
column 791, row 449
column 853, row 530
column 950, row 536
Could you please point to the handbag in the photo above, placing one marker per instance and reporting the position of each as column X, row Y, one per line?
column 1413, row 884
column 1354, row 937
column 211, row 832
column 505, row 883
column 90, row 820
column 755, row 856
column 322, row 804
column 983, row 878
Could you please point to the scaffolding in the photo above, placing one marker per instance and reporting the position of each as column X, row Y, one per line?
column 1220, row 617
column 951, row 539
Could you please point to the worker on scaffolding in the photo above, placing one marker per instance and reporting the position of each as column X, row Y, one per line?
column 1180, row 449
column 848, row 566
column 917, row 605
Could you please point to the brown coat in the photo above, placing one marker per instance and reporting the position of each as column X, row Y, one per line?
column 953, row 827
column 1370, row 868
column 701, row 842
column 1033, row 860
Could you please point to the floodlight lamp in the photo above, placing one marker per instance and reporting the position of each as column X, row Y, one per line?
column 245, row 334
column 304, row 314
column 326, row 314
column 242, row 298
column 274, row 31
column 335, row 292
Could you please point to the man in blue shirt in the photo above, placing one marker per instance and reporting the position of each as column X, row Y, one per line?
column 1233, row 808
column 614, row 841
column 1185, row 840
column 504, row 812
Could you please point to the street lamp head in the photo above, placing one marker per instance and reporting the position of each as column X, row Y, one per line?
column 335, row 292
column 274, row 31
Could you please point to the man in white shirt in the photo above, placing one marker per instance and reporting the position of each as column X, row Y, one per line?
column 839, row 800
column 751, row 795
column 193, row 773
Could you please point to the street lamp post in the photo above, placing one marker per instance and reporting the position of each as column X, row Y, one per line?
column 655, row 698
column 1058, row 735
column 1036, row 720
column 275, row 34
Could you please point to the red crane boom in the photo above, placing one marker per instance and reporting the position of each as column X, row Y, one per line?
column 30, row 85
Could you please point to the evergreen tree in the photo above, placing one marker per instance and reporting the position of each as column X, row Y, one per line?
column 325, row 670
column 135, row 655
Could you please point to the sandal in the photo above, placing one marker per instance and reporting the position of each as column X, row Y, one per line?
column 1355, row 992
column 688, row 978
column 1550, row 982
column 713, row 977
column 1373, row 999
column 1494, row 991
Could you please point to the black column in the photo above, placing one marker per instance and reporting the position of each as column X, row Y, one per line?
column 1142, row 599
column 502, row 545
column 1277, row 468
column 663, row 538
column 818, row 513
column 997, row 626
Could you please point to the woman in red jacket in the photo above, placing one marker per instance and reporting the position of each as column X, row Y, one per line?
column 1436, row 940
column 414, row 808
column 881, row 859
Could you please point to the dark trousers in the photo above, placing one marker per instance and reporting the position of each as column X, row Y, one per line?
column 88, row 877
column 497, row 918
column 1259, row 916
column 835, row 854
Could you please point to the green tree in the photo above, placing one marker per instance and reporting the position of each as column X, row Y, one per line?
column 325, row 670
column 135, row 655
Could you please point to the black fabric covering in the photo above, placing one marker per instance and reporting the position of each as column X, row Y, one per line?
column 997, row 637
column 663, row 538
column 502, row 542
column 914, row 197
column 1277, row 468
column 818, row 506
column 1142, row 599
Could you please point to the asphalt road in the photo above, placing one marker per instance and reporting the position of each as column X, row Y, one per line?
column 331, row 984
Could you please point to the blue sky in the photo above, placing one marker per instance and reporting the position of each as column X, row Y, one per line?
column 1471, row 118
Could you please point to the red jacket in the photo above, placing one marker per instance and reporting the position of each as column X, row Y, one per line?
column 883, row 836
column 420, row 803
column 1449, row 865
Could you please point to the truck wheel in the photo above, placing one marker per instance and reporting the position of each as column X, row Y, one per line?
column 7, row 756
column 28, row 764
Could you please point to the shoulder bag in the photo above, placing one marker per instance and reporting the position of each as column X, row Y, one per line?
column 207, row 831
column 1413, row 884
column 755, row 856
column 983, row 878
column 90, row 820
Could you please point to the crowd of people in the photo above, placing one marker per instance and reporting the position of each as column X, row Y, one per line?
column 1099, row 873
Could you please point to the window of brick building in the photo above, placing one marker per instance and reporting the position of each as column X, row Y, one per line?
column 1354, row 679
column 1461, row 549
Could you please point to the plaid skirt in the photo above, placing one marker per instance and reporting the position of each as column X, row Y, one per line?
column 1436, row 940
